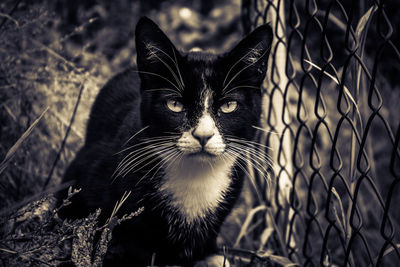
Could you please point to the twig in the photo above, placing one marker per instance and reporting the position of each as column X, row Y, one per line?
column 66, row 136
column 6, row 16
column 28, row 200
column 65, row 122
column 10, row 13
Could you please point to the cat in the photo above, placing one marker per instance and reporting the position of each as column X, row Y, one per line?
column 174, row 132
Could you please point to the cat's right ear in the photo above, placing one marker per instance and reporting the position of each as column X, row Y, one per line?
column 248, row 59
column 155, row 52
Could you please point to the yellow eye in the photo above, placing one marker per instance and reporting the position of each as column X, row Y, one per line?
column 229, row 107
column 175, row 105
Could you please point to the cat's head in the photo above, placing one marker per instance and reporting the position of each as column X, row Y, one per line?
column 202, row 102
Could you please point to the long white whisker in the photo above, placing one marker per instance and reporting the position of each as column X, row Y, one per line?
column 241, row 86
column 170, row 158
column 160, row 76
column 155, row 166
column 174, row 60
column 255, row 163
column 149, row 157
column 265, row 130
column 164, row 89
column 146, row 141
column 243, row 141
column 170, row 136
column 135, row 134
column 166, row 64
column 177, row 68
column 250, row 177
column 131, row 164
column 233, row 155
column 146, row 148
column 134, row 156
column 255, row 150
column 151, row 145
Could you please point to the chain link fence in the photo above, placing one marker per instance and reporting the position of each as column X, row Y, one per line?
column 332, row 121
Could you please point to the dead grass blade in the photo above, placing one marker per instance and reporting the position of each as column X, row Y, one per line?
column 389, row 250
column 118, row 205
column 266, row 234
column 284, row 261
column 346, row 90
column 247, row 221
column 11, row 152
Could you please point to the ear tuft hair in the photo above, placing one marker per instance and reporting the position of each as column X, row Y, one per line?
column 249, row 57
column 152, row 44
column 155, row 52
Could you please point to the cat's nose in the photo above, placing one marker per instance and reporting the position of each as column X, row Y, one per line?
column 202, row 135
column 204, row 129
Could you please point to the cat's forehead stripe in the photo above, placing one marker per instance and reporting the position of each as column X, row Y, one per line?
column 206, row 102
column 206, row 98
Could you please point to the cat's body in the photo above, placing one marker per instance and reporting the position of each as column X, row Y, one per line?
column 174, row 138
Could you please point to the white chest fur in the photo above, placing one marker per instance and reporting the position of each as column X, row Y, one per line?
column 197, row 187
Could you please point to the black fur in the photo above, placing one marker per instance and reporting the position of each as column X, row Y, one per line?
column 125, row 105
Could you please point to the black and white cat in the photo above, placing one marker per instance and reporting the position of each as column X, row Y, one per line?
column 174, row 132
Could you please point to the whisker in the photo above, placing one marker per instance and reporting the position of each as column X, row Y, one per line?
column 257, row 156
column 151, row 147
column 165, row 63
column 255, row 163
column 241, row 86
column 135, row 134
column 237, row 62
column 162, row 162
column 159, row 137
column 254, row 149
column 234, row 155
column 137, row 155
column 149, row 157
column 127, row 165
column 146, row 141
column 246, row 170
column 247, row 66
column 164, row 89
column 162, row 77
column 243, row 141
column 147, row 149
column 174, row 60
column 171, row 159
column 177, row 68
column 265, row 130
column 246, row 158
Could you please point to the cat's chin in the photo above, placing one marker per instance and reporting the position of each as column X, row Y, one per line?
column 202, row 156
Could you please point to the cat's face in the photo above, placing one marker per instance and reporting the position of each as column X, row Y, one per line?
column 201, row 102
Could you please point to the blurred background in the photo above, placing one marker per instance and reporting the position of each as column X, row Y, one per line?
column 331, row 114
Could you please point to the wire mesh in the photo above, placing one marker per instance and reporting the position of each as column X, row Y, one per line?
column 332, row 121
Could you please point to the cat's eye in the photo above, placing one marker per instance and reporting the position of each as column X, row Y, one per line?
column 175, row 105
column 229, row 107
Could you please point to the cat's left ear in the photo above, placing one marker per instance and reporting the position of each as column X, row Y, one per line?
column 248, row 59
column 154, row 50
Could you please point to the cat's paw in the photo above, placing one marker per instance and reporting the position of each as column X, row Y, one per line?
column 213, row 261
